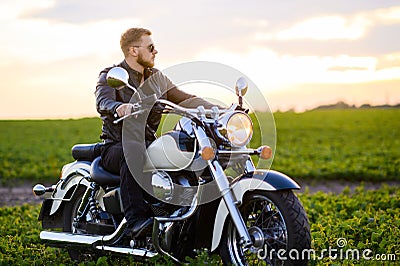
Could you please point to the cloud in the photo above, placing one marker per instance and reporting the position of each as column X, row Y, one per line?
column 312, row 95
column 80, row 12
column 77, row 12
column 389, row 61
column 323, row 28
column 279, row 44
column 184, row 29
column 368, row 31
column 41, row 41
column 278, row 72
column 51, row 89
column 389, row 15
column 336, row 27
column 10, row 9
column 344, row 68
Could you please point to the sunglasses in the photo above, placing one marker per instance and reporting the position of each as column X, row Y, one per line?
column 151, row 47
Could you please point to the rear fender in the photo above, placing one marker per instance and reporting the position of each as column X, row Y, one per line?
column 73, row 175
column 259, row 180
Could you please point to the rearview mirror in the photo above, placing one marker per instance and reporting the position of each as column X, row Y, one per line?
column 241, row 86
column 117, row 77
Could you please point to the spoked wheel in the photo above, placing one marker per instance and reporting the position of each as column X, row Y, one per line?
column 70, row 212
column 278, row 227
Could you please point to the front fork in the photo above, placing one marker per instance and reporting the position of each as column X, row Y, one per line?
column 223, row 185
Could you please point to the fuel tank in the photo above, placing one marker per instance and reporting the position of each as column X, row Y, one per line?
column 173, row 151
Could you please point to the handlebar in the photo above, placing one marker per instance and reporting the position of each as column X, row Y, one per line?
column 199, row 112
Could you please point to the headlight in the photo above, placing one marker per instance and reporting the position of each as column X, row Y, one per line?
column 237, row 128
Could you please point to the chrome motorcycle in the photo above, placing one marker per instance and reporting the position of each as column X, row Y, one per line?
column 249, row 218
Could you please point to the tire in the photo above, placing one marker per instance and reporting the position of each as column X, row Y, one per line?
column 70, row 212
column 276, row 220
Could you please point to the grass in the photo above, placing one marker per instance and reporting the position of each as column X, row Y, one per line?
column 342, row 145
column 365, row 219
column 351, row 145
column 36, row 150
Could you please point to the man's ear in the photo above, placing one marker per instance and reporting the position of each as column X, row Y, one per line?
column 133, row 52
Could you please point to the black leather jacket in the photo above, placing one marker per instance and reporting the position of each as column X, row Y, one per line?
column 108, row 99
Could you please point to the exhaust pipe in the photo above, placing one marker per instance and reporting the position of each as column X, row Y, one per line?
column 144, row 253
column 58, row 239
column 62, row 239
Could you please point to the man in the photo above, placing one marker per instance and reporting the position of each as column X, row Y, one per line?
column 139, row 52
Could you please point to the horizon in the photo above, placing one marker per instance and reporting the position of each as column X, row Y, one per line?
column 331, row 106
column 299, row 55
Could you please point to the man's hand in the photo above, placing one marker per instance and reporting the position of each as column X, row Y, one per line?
column 124, row 109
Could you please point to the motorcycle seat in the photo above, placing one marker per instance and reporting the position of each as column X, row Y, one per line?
column 101, row 176
column 86, row 152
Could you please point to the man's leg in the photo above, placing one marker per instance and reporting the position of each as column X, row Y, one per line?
column 132, row 178
column 111, row 157
column 135, row 209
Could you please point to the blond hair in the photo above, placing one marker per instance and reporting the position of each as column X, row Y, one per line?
column 131, row 37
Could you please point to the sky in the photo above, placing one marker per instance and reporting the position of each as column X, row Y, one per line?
column 299, row 54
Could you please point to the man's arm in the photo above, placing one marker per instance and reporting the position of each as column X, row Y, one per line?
column 106, row 99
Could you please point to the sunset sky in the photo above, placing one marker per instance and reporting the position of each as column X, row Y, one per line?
column 300, row 54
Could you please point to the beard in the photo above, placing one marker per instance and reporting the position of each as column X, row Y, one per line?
column 144, row 63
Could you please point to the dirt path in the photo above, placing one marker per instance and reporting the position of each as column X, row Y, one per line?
column 17, row 196
column 23, row 193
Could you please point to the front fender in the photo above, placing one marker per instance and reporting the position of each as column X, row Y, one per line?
column 74, row 175
column 268, row 180
column 277, row 180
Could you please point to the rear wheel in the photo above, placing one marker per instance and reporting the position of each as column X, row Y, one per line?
column 70, row 213
column 279, row 229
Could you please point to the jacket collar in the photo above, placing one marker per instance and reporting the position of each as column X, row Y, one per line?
column 135, row 76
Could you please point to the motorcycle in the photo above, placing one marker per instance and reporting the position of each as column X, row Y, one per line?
column 195, row 204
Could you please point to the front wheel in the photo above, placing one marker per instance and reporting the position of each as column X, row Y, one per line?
column 278, row 227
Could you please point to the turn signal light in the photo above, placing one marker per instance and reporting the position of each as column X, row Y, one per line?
column 207, row 153
column 265, row 152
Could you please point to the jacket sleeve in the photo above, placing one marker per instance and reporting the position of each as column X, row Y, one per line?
column 106, row 97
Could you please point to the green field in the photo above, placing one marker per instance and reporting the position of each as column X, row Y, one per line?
column 351, row 145
column 342, row 145
column 36, row 150
column 367, row 220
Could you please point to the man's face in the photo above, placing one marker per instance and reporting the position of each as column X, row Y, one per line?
column 146, row 52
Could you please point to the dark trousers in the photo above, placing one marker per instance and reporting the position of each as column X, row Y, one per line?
column 113, row 159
